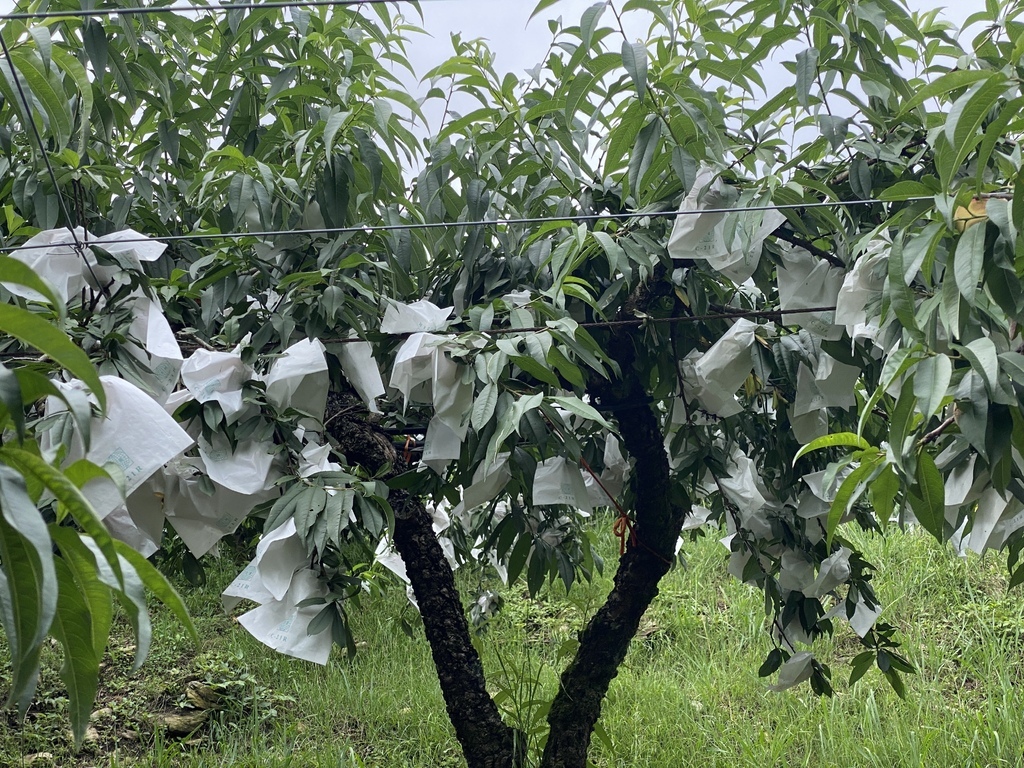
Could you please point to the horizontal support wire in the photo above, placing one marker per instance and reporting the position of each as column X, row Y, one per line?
column 637, row 323
column 146, row 10
column 579, row 218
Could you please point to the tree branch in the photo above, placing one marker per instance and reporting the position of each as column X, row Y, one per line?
column 794, row 239
column 487, row 742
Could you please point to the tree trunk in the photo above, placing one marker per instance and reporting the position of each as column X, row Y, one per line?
column 487, row 742
column 657, row 524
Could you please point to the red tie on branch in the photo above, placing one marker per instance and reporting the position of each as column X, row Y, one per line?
column 623, row 526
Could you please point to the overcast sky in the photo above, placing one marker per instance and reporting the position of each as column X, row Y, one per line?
column 519, row 45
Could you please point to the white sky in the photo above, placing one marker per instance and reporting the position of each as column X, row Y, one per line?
column 519, row 45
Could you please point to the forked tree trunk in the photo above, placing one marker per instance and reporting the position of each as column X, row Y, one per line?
column 648, row 557
column 485, row 739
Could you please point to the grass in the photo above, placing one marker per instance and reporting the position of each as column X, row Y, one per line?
column 687, row 694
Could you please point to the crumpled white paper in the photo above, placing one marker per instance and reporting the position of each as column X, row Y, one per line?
column 795, row 572
column 557, row 481
column 741, row 487
column 203, row 519
column 278, row 580
column 414, row 366
column 959, row 482
column 809, row 426
column 159, row 350
column 720, row 371
column 283, row 626
column 217, row 376
column 316, row 458
column 795, row 671
column 861, row 287
column 419, row 317
column 388, row 556
column 834, row 570
column 488, row 481
column 361, row 370
column 697, row 518
column 452, row 396
column 247, row 470
column 729, row 242
column 136, row 532
column 52, row 256
column 441, row 445
column 612, row 477
column 992, row 506
column 804, row 282
column 136, row 435
column 298, row 379
column 829, row 386
column 863, row 618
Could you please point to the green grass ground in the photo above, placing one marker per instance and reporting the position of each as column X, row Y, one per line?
column 687, row 695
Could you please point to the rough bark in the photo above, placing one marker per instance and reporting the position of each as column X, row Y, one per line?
column 657, row 524
column 486, row 741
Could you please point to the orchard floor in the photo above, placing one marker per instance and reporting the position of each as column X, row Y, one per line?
column 687, row 695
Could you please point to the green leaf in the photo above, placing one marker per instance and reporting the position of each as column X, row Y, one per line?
column 26, row 557
column 73, row 67
column 643, row 154
column 483, row 406
column 930, row 508
column 995, row 132
column 95, row 580
column 931, row 380
column 968, row 260
column 36, row 332
column 972, row 401
column 950, row 81
column 901, row 298
column 1013, row 365
column 905, row 190
column 966, row 117
column 95, row 39
column 882, row 494
column 634, row 59
column 577, row 406
column 72, row 627
column 11, row 399
column 68, row 494
column 983, row 358
column 55, row 106
column 588, row 23
column 14, row 271
column 831, row 441
column 806, row 72
column 541, row 6
column 847, row 494
column 159, row 586
column 509, row 422
column 535, row 369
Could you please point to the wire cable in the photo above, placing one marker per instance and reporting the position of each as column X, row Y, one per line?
column 579, row 218
column 146, row 10
column 638, row 322
column 78, row 246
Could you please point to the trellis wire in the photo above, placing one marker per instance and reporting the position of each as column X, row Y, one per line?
column 576, row 218
column 146, row 10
